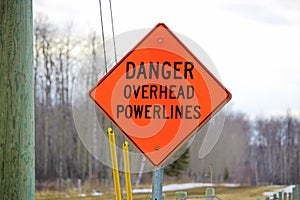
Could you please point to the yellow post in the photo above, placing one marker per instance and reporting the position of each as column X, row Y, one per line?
column 127, row 171
column 114, row 161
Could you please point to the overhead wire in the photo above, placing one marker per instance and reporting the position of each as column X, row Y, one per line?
column 103, row 36
column 103, row 40
column 113, row 31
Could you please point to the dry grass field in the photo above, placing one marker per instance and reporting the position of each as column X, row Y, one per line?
column 225, row 193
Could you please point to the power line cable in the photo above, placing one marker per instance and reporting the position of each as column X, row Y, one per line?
column 103, row 42
column 113, row 30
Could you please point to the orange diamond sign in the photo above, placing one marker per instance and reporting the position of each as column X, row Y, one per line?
column 159, row 95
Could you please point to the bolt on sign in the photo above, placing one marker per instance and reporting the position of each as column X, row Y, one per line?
column 159, row 95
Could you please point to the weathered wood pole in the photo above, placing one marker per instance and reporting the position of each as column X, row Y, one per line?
column 16, row 100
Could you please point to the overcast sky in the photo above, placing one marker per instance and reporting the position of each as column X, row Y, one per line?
column 255, row 44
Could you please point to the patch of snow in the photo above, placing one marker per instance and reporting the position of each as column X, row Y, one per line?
column 230, row 185
column 183, row 186
column 143, row 190
column 268, row 194
column 97, row 194
column 289, row 189
column 82, row 195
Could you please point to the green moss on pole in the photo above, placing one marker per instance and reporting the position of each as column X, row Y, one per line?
column 16, row 100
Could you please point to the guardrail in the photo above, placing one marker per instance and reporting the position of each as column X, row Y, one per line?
column 294, row 195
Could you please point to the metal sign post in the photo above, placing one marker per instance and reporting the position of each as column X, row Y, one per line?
column 157, row 183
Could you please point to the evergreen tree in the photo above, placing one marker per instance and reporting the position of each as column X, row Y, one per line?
column 226, row 174
column 177, row 168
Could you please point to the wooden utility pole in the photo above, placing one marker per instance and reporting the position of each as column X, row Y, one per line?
column 16, row 100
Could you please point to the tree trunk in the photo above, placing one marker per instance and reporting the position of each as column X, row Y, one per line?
column 16, row 100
